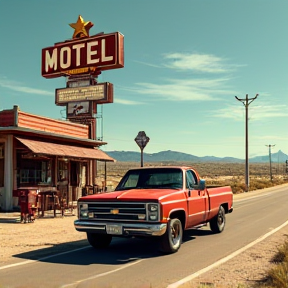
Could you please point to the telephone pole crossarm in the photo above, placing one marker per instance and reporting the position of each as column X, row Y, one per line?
column 247, row 101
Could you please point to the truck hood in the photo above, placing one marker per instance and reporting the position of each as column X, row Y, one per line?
column 133, row 195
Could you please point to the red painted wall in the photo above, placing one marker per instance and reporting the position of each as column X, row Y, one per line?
column 17, row 118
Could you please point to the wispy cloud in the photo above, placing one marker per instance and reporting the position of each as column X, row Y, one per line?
column 19, row 87
column 230, row 111
column 148, row 64
column 270, row 137
column 184, row 90
column 194, row 62
column 255, row 112
column 207, row 88
column 199, row 63
column 270, row 111
column 127, row 102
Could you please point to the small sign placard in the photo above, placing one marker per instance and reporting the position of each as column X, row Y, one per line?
column 100, row 93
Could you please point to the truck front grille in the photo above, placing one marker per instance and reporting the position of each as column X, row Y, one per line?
column 124, row 211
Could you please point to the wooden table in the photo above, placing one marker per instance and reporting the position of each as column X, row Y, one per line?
column 45, row 195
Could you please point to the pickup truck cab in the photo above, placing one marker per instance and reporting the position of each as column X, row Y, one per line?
column 154, row 202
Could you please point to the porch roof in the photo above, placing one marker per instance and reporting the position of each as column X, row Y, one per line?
column 47, row 148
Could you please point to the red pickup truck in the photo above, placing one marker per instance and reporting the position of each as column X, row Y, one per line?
column 154, row 201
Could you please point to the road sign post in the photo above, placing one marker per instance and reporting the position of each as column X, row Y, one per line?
column 142, row 141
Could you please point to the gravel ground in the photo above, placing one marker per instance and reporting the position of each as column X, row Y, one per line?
column 45, row 236
column 48, row 235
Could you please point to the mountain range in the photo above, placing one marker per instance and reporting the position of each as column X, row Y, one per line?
column 131, row 156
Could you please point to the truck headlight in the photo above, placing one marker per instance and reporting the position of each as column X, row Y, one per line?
column 153, row 216
column 83, row 210
column 83, row 214
column 153, row 211
column 83, row 206
column 153, row 207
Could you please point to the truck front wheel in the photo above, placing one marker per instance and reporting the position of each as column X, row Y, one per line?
column 172, row 239
column 217, row 223
column 99, row 240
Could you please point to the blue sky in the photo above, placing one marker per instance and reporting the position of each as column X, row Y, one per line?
column 184, row 63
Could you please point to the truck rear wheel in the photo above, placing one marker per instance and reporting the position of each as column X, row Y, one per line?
column 172, row 239
column 99, row 240
column 217, row 224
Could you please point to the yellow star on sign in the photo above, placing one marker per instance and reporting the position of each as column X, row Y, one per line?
column 81, row 28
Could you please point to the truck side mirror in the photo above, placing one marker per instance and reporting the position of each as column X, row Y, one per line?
column 201, row 185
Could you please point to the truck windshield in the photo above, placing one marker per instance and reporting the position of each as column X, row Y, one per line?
column 159, row 178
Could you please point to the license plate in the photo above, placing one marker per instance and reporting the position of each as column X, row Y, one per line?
column 114, row 229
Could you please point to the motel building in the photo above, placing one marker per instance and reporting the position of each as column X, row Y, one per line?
column 43, row 154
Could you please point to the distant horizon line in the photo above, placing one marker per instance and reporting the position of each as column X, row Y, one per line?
column 243, row 159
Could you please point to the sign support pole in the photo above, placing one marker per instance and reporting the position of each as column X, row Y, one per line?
column 141, row 156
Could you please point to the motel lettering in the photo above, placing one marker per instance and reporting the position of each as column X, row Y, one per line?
column 102, row 52
column 67, row 54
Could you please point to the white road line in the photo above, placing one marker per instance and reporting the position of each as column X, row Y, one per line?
column 225, row 259
column 100, row 275
column 41, row 259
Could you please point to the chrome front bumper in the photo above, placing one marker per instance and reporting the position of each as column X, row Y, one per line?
column 128, row 229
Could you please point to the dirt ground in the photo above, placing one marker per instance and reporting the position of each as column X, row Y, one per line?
column 44, row 236
column 20, row 242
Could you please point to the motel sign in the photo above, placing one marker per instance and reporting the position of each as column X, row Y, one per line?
column 100, row 52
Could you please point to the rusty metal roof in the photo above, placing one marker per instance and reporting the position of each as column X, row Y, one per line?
column 46, row 148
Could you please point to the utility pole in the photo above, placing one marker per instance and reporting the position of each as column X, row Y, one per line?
column 270, row 161
column 246, row 102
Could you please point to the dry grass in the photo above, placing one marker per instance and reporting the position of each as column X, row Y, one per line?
column 220, row 174
column 277, row 277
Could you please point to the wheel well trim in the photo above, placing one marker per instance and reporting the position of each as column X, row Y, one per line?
column 225, row 206
column 182, row 213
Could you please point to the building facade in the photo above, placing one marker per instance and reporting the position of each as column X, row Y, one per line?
column 45, row 154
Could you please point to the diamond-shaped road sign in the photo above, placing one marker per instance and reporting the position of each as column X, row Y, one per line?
column 142, row 139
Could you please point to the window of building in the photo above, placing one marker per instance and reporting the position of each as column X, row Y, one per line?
column 63, row 171
column 74, row 181
column 34, row 172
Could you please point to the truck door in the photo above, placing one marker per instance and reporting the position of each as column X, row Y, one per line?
column 197, row 201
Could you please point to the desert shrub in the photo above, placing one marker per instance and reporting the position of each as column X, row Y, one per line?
column 238, row 183
column 282, row 254
column 256, row 184
column 238, row 187
column 277, row 277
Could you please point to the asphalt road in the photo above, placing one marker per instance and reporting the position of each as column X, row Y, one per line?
column 137, row 262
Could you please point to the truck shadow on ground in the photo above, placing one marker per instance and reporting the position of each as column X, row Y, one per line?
column 192, row 233
column 121, row 251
